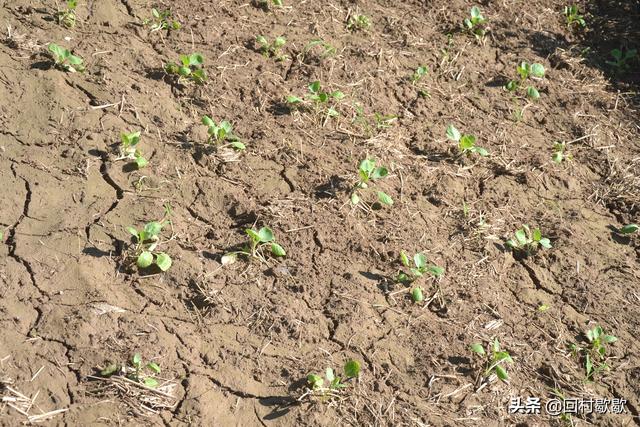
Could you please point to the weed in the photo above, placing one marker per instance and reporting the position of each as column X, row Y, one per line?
column 129, row 149
column 331, row 384
column 220, row 132
column 527, row 71
column 64, row 60
column 466, row 143
column 622, row 59
column 495, row 359
column 272, row 50
column 573, row 17
column 257, row 240
column 594, row 352
column 528, row 241
column 190, row 68
column 560, row 152
column 162, row 21
column 67, row 16
column 358, row 22
column 322, row 102
column 138, row 371
column 147, row 241
column 367, row 172
column 475, row 24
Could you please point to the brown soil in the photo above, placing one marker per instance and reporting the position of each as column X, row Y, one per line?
column 238, row 340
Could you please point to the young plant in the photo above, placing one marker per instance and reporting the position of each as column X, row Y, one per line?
column 190, row 67
column 358, row 22
column 367, row 172
column 419, row 73
column 162, row 21
column 560, row 152
column 573, row 17
column 266, row 4
column 64, row 60
column 67, row 16
column 629, row 229
column 475, row 24
column 327, row 49
column 138, row 371
column 129, row 149
column 495, row 359
column 466, row 143
column 272, row 50
column 417, row 267
column 527, row 71
column 330, row 385
column 147, row 242
column 384, row 121
column 220, row 132
column 257, row 240
column 594, row 354
column 322, row 101
column 528, row 241
column 622, row 59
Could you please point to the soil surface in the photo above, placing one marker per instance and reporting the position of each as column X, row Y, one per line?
column 236, row 342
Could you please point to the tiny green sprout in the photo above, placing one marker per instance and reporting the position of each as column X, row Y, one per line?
column 495, row 359
column 417, row 295
column 129, row 149
column 543, row 307
column 466, row 143
column 417, row 267
column 367, row 172
column 266, row 4
column 384, row 121
column 220, row 132
column 147, row 242
column 573, row 17
column 136, row 370
column 322, row 101
column 622, row 59
column 629, row 229
column 594, row 354
column 358, row 22
column 527, row 71
column 161, row 21
column 257, row 240
column 272, row 49
column 327, row 49
column 67, row 16
column 560, row 152
column 64, row 60
column 419, row 73
column 527, row 241
column 190, row 68
column 330, row 385
column 475, row 24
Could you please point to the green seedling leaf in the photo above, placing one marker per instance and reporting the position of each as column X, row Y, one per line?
column 152, row 229
column 141, row 162
column 145, row 259
column 453, row 133
column 355, row 199
column 136, row 360
column 537, row 70
column 109, row 370
column 417, row 295
column 315, row 381
column 351, row 369
column 478, row 348
column 265, row 235
column 404, row 259
column 533, row 93
column 163, row 261
column 384, row 198
column 435, row 270
column 277, row 250
column 378, row 173
column 154, row 367
column 150, row 382
column 420, row 260
column 630, row 228
column 133, row 231
column 238, row 145
column 253, row 235
column 545, row 243
column 501, row 373
column 329, row 375
column 293, row 100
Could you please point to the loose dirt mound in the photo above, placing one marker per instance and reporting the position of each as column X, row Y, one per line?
column 236, row 342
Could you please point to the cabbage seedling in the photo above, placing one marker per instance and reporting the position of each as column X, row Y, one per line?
column 162, row 21
column 257, row 240
column 466, row 143
column 67, row 16
column 147, row 241
column 417, row 267
column 495, row 359
column 367, row 171
column 220, row 132
column 271, row 50
column 621, row 59
column 594, row 353
column 129, row 149
column 419, row 73
column 190, row 67
column 321, row 100
column 136, row 372
column 358, row 22
column 573, row 17
column 528, row 241
column 475, row 24
column 527, row 71
column 560, row 152
column 64, row 60
column 331, row 384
